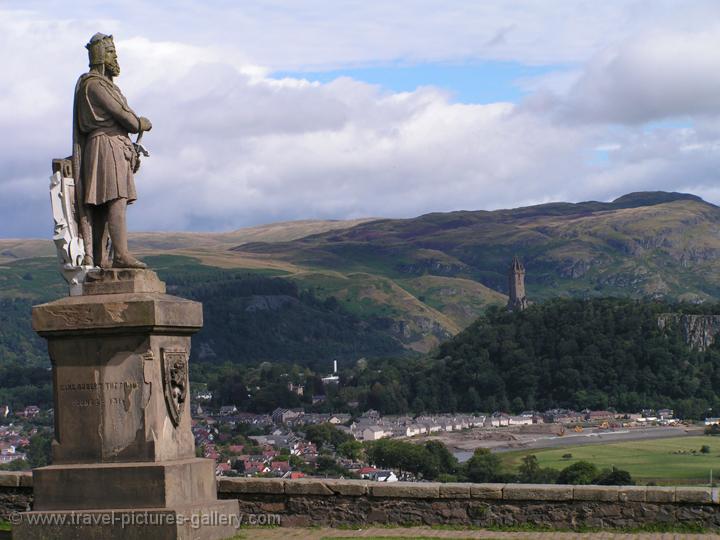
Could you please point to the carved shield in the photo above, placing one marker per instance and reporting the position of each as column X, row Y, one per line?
column 175, row 381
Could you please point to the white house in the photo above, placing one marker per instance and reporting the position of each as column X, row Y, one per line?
column 373, row 433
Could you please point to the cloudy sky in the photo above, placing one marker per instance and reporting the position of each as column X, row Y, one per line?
column 276, row 110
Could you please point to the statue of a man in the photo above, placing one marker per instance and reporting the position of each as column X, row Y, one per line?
column 104, row 158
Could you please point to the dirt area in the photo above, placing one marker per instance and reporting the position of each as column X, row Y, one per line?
column 492, row 438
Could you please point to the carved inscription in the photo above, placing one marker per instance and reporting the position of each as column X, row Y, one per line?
column 99, row 394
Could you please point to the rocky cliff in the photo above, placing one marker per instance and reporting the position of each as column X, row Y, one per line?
column 700, row 331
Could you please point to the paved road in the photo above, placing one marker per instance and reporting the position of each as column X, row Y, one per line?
column 591, row 437
column 605, row 436
column 290, row 533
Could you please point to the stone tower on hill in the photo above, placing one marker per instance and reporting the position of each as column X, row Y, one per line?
column 517, row 300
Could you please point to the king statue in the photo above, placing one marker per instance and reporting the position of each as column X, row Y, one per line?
column 104, row 158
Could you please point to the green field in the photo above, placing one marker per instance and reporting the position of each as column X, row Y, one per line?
column 662, row 461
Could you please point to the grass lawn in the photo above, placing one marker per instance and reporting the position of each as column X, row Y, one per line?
column 663, row 461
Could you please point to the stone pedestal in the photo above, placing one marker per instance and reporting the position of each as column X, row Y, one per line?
column 123, row 444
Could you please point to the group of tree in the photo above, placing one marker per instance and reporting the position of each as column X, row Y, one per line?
column 262, row 333
column 573, row 353
column 251, row 318
column 429, row 461
column 433, row 461
column 569, row 353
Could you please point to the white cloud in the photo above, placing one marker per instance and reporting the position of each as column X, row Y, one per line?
column 232, row 146
column 652, row 77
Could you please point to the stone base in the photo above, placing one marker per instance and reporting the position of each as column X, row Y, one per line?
column 122, row 280
column 124, row 485
column 217, row 520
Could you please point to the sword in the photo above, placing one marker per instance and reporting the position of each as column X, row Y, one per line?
column 139, row 148
column 140, row 151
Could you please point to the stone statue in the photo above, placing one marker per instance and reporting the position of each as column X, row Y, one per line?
column 104, row 158
column 120, row 348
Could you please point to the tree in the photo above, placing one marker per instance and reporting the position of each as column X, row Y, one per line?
column 403, row 456
column 530, row 472
column 447, row 463
column 483, row 466
column 39, row 450
column 326, row 434
column 529, row 468
column 582, row 472
column 351, row 449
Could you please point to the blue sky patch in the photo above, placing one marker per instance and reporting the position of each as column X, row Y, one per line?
column 486, row 82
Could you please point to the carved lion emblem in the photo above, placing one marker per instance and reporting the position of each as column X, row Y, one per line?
column 175, row 381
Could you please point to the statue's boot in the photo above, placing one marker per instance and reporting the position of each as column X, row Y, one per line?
column 127, row 262
column 118, row 234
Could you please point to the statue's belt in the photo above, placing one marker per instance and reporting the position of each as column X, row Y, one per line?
column 109, row 131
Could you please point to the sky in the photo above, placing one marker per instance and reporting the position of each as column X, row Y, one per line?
column 267, row 111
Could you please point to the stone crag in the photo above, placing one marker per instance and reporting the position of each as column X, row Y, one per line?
column 699, row 331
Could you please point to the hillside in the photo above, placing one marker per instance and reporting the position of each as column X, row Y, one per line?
column 644, row 244
column 573, row 353
column 250, row 318
column 434, row 274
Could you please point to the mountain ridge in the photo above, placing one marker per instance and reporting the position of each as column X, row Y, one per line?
column 434, row 274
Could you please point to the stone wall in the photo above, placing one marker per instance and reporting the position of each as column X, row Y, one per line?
column 311, row 502
column 352, row 502
column 15, row 492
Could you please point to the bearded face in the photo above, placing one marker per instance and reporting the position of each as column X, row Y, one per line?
column 112, row 67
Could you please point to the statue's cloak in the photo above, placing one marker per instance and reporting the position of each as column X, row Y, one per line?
column 78, row 143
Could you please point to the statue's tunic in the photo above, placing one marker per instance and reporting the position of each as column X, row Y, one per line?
column 103, row 120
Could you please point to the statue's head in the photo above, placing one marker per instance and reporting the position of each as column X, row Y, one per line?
column 101, row 51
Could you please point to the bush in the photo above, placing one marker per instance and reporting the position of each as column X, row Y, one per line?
column 567, row 456
column 616, row 477
column 705, row 449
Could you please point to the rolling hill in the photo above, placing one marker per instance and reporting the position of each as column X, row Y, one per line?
column 643, row 244
column 434, row 274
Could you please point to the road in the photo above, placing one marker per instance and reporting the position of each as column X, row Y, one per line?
column 596, row 436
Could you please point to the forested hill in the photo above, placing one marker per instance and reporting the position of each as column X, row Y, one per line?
column 566, row 353
column 573, row 353
column 249, row 319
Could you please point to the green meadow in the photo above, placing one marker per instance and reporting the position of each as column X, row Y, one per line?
column 675, row 461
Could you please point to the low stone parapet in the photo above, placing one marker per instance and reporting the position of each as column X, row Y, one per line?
column 16, row 493
column 316, row 502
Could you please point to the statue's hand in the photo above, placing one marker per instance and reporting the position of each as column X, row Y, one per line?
column 145, row 124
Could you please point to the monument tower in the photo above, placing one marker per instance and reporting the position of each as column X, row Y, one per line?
column 517, row 301
column 123, row 453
